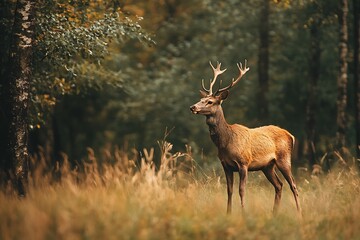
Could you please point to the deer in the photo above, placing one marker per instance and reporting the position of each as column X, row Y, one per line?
column 242, row 149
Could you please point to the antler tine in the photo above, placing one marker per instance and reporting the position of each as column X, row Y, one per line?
column 242, row 72
column 220, row 82
column 203, row 86
column 217, row 71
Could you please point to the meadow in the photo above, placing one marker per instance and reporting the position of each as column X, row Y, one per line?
column 119, row 199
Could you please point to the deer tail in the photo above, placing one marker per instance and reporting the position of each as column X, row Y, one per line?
column 292, row 140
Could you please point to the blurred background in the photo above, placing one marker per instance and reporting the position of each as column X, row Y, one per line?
column 123, row 74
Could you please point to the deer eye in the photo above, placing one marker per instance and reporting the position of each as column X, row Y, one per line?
column 210, row 102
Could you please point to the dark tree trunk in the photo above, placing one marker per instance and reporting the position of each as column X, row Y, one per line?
column 314, row 73
column 342, row 78
column 17, row 90
column 6, row 17
column 170, row 6
column 57, row 147
column 5, row 25
column 357, row 75
column 263, row 61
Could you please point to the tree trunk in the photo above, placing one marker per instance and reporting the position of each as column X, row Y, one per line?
column 17, row 90
column 357, row 76
column 263, row 61
column 314, row 73
column 342, row 78
column 6, row 16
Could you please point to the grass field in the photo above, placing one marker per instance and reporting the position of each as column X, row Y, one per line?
column 120, row 203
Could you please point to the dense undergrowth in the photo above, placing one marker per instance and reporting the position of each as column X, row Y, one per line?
column 122, row 197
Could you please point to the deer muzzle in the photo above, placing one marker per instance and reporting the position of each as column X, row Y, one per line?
column 193, row 109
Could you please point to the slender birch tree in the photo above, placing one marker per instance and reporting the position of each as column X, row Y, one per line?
column 17, row 91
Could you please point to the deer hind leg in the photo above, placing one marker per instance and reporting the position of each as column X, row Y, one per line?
column 273, row 178
column 285, row 169
column 229, row 182
column 243, row 178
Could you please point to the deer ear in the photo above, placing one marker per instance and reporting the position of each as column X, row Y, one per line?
column 203, row 93
column 223, row 95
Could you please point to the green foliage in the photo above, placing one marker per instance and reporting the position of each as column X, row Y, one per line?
column 71, row 48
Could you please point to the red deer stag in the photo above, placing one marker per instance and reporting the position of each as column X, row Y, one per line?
column 242, row 149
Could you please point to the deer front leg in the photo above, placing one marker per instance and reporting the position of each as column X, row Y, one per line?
column 229, row 182
column 243, row 178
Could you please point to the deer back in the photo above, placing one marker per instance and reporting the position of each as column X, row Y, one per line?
column 256, row 147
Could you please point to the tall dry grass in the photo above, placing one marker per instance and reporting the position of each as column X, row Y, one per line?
column 122, row 197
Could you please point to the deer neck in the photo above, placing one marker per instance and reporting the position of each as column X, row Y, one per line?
column 218, row 127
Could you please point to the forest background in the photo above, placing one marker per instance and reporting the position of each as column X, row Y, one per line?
column 108, row 74
column 97, row 140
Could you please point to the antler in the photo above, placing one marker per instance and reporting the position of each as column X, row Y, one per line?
column 217, row 72
column 242, row 72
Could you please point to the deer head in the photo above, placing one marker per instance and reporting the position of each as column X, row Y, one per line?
column 210, row 100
